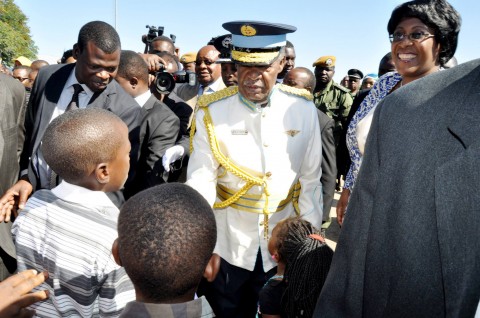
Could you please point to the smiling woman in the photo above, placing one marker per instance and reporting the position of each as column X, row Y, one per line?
column 423, row 36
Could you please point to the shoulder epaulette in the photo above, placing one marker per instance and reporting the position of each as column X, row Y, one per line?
column 296, row 91
column 205, row 100
column 340, row 87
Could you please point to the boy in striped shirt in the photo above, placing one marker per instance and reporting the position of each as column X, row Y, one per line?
column 69, row 231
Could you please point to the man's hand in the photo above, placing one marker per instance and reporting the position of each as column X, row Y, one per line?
column 14, row 296
column 342, row 205
column 155, row 63
column 14, row 198
column 171, row 155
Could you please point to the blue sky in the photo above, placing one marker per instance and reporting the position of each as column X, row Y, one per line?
column 352, row 30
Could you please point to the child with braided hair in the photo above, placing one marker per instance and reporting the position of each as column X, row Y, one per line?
column 303, row 262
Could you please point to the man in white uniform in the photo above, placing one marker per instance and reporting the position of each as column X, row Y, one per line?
column 256, row 158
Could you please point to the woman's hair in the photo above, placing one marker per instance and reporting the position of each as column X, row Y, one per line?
column 439, row 16
column 307, row 263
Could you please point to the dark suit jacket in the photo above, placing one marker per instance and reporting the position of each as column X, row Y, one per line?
column 187, row 93
column 409, row 246
column 329, row 165
column 190, row 93
column 12, row 110
column 184, row 112
column 158, row 132
column 44, row 98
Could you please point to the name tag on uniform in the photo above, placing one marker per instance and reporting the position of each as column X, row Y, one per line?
column 239, row 132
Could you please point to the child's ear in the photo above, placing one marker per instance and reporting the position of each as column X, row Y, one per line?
column 116, row 253
column 276, row 256
column 212, row 268
column 133, row 82
column 101, row 173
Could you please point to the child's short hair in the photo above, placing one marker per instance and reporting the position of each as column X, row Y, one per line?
column 76, row 141
column 166, row 236
column 307, row 262
column 132, row 65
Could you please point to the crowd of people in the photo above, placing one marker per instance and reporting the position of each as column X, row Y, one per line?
column 157, row 184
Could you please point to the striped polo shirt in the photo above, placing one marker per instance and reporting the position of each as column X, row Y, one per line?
column 69, row 231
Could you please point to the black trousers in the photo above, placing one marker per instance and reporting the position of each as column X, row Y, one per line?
column 234, row 292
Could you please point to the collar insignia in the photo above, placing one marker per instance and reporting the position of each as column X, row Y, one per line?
column 292, row 133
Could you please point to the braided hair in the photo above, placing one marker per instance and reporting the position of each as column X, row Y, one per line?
column 307, row 263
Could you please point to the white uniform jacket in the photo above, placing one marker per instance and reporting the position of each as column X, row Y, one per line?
column 281, row 140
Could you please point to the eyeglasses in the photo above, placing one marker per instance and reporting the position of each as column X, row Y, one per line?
column 414, row 36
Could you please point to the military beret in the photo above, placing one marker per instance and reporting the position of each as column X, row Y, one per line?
column 188, row 57
column 257, row 42
column 355, row 73
column 325, row 61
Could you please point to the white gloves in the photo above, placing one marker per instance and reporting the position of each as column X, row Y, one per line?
column 171, row 155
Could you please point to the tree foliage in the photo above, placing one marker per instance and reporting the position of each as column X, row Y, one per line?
column 15, row 39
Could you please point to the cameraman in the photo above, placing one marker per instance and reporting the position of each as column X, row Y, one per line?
column 166, row 62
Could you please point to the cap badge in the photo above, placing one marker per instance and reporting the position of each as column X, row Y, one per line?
column 226, row 42
column 248, row 30
column 328, row 61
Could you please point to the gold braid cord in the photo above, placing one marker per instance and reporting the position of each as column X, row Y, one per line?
column 204, row 101
column 235, row 170
column 300, row 92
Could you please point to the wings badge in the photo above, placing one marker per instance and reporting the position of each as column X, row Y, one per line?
column 292, row 132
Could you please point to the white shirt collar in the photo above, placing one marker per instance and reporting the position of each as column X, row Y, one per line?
column 72, row 79
column 214, row 87
column 73, row 193
column 143, row 98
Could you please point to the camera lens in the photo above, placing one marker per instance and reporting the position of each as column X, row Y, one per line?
column 164, row 82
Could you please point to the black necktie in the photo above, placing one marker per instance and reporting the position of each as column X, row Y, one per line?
column 77, row 89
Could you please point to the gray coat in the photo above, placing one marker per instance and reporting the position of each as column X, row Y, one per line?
column 12, row 110
column 410, row 244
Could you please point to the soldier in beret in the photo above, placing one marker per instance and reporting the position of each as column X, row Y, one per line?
column 188, row 61
column 257, row 159
column 332, row 99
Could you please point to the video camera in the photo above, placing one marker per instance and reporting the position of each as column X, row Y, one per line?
column 165, row 82
column 154, row 32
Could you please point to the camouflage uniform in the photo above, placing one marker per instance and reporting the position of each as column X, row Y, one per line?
column 335, row 101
